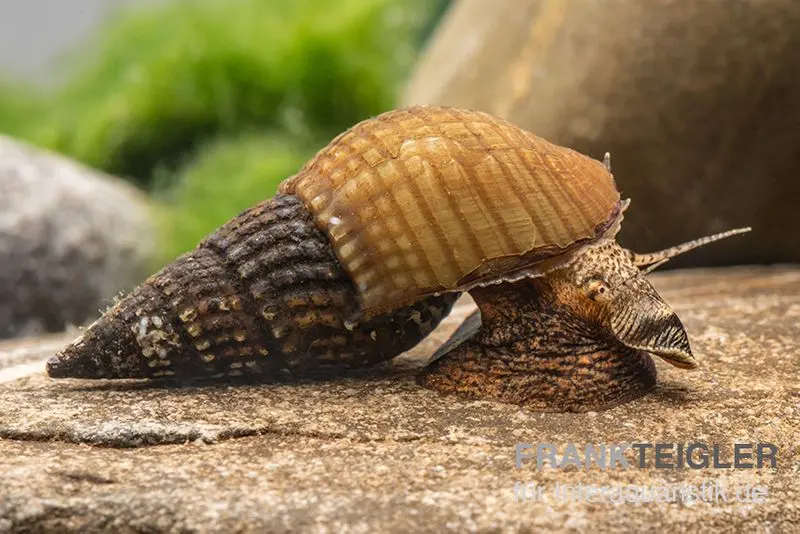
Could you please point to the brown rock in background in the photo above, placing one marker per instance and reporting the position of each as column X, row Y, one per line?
column 698, row 102
column 70, row 238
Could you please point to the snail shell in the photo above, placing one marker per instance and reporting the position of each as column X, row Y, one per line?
column 360, row 254
column 428, row 199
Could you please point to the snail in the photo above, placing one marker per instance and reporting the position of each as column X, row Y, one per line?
column 361, row 254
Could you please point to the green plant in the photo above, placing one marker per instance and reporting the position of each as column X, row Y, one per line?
column 19, row 106
column 227, row 177
column 167, row 79
column 210, row 103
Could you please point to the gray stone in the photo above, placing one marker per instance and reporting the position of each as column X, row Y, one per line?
column 697, row 101
column 375, row 452
column 70, row 238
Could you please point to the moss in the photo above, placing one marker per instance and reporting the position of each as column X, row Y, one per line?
column 167, row 79
column 209, row 104
column 19, row 107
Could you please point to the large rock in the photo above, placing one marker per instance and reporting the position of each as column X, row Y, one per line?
column 70, row 238
column 697, row 101
column 374, row 452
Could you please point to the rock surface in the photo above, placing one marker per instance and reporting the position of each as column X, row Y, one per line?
column 70, row 238
column 698, row 103
column 375, row 452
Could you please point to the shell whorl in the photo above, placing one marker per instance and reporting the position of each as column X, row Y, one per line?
column 262, row 295
column 427, row 199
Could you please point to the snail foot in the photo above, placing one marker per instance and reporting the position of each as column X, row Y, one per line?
column 533, row 351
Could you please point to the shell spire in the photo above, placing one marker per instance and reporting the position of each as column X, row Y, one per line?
column 261, row 295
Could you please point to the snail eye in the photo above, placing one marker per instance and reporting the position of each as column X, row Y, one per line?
column 597, row 290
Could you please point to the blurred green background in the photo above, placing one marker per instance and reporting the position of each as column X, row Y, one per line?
column 209, row 104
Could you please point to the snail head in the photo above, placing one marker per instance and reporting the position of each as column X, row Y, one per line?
column 607, row 285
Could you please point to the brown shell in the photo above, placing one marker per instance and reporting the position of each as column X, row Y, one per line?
column 428, row 199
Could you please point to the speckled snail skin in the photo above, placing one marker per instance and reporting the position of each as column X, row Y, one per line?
column 362, row 253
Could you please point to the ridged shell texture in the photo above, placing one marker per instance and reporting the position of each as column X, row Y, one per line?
column 430, row 199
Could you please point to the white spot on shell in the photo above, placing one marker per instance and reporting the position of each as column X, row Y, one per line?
column 143, row 322
column 155, row 336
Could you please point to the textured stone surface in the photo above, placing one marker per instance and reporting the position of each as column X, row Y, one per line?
column 375, row 452
column 697, row 101
column 70, row 238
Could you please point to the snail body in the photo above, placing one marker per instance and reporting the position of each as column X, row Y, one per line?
column 363, row 252
column 602, row 319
